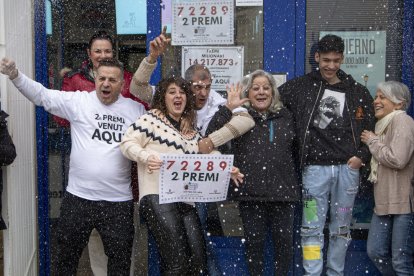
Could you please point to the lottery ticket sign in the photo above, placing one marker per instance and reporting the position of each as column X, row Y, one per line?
column 225, row 63
column 194, row 177
column 202, row 22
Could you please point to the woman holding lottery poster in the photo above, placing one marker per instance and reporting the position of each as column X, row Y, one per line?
column 175, row 226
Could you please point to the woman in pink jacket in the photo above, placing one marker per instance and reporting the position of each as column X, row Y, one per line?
column 391, row 235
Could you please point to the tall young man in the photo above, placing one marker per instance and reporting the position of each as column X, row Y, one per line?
column 331, row 109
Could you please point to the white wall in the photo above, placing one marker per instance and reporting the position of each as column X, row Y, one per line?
column 19, row 195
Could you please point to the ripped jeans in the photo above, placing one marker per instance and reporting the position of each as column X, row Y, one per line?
column 332, row 188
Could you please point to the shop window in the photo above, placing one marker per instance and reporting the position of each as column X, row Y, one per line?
column 69, row 27
column 359, row 21
column 223, row 217
column 372, row 31
column 248, row 33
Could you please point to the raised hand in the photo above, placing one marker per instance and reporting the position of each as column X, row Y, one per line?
column 234, row 99
column 158, row 45
column 8, row 67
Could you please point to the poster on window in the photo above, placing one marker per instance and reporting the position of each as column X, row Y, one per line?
column 280, row 78
column 202, row 22
column 249, row 3
column 364, row 56
column 225, row 63
column 194, row 177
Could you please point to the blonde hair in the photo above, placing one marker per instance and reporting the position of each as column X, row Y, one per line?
column 247, row 83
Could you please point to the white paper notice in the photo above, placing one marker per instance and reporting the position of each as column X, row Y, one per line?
column 194, row 177
column 202, row 22
column 225, row 63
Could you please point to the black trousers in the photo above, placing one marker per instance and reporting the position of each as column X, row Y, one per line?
column 177, row 231
column 258, row 217
column 113, row 221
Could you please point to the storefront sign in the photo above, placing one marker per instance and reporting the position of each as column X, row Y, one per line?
column 225, row 63
column 194, row 177
column 202, row 22
column 364, row 56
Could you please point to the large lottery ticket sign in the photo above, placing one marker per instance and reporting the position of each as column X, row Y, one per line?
column 225, row 63
column 202, row 22
column 194, row 177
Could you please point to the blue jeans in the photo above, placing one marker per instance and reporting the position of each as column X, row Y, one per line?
column 326, row 188
column 390, row 243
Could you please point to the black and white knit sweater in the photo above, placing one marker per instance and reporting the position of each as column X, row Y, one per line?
column 153, row 134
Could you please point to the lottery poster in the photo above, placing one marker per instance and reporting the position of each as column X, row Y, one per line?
column 194, row 177
column 202, row 22
column 225, row 63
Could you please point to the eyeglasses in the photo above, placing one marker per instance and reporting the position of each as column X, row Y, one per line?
column 198, row 86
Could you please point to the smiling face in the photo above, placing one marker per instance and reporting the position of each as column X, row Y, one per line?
column 329, row 64
column 175, row 101
column 260, row 94
column 100, row 49
column 383, row 106
column 108, row 84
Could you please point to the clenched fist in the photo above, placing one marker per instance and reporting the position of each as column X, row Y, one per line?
column 8, row 67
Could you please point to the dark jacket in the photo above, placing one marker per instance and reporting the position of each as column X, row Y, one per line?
column 7, row 155
column 81, row 80
column 265, row 156
column 302, row 96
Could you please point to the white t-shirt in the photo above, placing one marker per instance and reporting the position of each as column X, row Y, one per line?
column 98, row 169
column 206, row 113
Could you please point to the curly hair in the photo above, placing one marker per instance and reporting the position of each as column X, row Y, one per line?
column 158, row 101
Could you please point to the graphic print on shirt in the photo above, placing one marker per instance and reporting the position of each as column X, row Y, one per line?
column 330, row 110
column 110, row 128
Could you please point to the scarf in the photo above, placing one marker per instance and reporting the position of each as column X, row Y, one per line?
column 380, row 128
